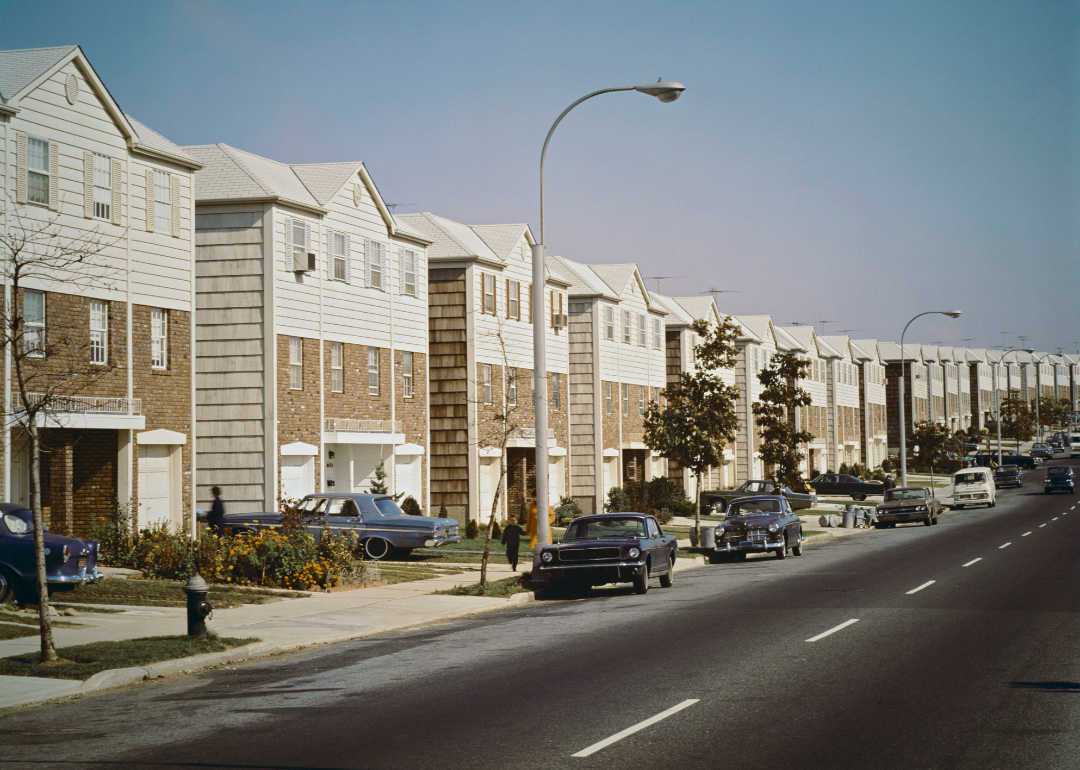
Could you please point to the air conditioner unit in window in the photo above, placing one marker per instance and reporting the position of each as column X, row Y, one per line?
column 303, row 263
column 560, row 320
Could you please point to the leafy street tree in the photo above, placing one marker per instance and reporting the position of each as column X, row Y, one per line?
column 774, row 413
column 1017, row 419
column 49, row 365
column 932, row 439
column 699, row 417
column 1054, row 410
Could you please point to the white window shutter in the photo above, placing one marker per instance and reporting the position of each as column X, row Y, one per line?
column 20, row 168
column 54, row 176
column 117, row 169
column 421, row 282
column 403, row 254
column 175, row 205
column 368, row 256
column 151, row 214
column 348, row 258
column 288, row 244
column 88, row 185
column 307, row 242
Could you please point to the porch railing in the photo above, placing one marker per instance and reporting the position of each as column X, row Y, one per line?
column 362, row 426
column 82, row 404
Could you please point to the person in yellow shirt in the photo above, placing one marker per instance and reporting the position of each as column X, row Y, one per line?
column 530, row 525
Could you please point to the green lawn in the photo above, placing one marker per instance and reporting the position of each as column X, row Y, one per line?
column 495, row 588
column 9, row 631
column 164, row 593
column 84, row 660
column 404, row 572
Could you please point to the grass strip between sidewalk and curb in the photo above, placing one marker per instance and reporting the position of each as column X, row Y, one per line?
column 12, row 631
column 498, row 589
column 84, row 660
column 166, row 593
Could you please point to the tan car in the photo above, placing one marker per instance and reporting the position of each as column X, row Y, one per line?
column 907, row 504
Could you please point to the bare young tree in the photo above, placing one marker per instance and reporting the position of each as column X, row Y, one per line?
column 49, row 364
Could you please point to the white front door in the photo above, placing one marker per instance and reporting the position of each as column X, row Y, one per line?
column 556, row 488
column 20, row 475
column 155, row 486
column 487, row 486
column 295, row 471
column 408, row 476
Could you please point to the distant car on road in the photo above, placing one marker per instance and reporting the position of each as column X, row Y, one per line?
column 383, row 528
column 907, row 504
column 758, row 525
column 1009, row 476
column 1074, row 445
column 843, row 484
column 608, row 548
column 1060, row 478
column 69, row 562
column 1008, row 457
column 973, row 486
column 720, row 499
column 1041, row 450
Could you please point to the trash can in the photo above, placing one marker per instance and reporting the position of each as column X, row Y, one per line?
column 708, row 537
column 849, row 517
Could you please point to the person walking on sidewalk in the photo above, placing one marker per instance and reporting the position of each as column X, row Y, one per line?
column 215, row 520
column 511, row 538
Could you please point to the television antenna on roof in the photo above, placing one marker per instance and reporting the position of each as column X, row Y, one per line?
column 847, row 331
column 714, row 291
column 823, row 326
column 659, row 278
column 393, row 206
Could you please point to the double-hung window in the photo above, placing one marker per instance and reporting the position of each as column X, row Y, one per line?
column 99, row 332
column 513, row 300
column 556, row 391
column 103, row 188
column 511, row 388
column 37, row 171
column 487, row 382
column 489, row 293
column 406, row 374
column 376, row 261
column 656, row 334
column 373, row 371
column 609, row 322
column 625, row 399
column 408, row 272
column 641, row 330
column 641, row 400
column 34, row 323
column 337, row 367
column 626, row 326
column 163, row 202
column 159, row 338
column 607, row 398
column 296, row 363
column 339, row 256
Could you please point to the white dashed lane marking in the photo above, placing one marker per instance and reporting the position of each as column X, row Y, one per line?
column 631, row 730
column 1054, row 519
column 1004, row 546
column 927, row 584
column 833, row 630
column 973, row 561
column 1041, row 526
column 1025, row 534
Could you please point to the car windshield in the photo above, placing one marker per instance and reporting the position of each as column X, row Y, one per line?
column 312, row 505
column 906, row 494
column 968, row 478
column 591, row 529
column 387, row 507
column 19, row 522
column 1008, row 470
column 1059, row 471
column 755, row 486
column 1040, row 446
column 744, row 507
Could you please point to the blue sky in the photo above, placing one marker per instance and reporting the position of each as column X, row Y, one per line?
column 852, row 162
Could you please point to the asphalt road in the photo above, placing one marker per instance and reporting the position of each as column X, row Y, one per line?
column 979, row 668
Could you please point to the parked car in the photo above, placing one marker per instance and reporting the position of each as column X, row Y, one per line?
column 843, row 484
column 905, row 504
column 1008, row 457
column 1056, row 445
column 758, row 525
column 383, row 528
column 1060, row 477
column 719, row 499
column 1041, row 450
column 1074, row 445
column 608, row 548
column 973, row 486
column 1009, row 476
column 69, row 562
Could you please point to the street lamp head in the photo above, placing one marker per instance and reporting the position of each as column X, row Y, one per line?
column 952, row 313
column 665, row 90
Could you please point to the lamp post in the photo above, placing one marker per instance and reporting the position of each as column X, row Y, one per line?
column 998, row 389
column 1038, row 394
column 665, row 91
column 903, row 419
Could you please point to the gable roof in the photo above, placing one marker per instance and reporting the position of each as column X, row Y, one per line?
column 836, row 343
column 584, row 282
column 20, row 68
column 890, row 351
column 324, row 180
column 701, row 307
column 759, row 326
column 677, row 314
column 502, row 239
column 864, row 350
column 790, row 342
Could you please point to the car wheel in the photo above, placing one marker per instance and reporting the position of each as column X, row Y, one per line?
column 665, row 579
column 928, row 521
column 641, row 582
column 740, row 556
column 958, row 507
column 936, row 519
column 797, row 548
column 717, row 558
column 880, row 525
column 377, row 549
column 7, row 587
column 860, row 498
column 781, row 552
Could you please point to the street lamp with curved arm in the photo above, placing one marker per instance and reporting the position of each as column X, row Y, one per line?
column 1038, row 393
column 666, row 91
column 998, row 390
column 903, row 376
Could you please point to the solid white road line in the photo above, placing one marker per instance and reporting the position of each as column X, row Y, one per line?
column 1004, row 546
column 631, row 730
column 833, row 630
column 1025, row 534
column 973, row 561
column 927, row 584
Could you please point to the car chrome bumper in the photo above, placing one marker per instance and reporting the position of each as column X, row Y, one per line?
column 435, row 542
column 914, row 516
column 747, row 545
column 83, row 577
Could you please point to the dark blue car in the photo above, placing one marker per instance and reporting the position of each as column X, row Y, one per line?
column 1060, row 477
column 69, row 561
column 377, row 521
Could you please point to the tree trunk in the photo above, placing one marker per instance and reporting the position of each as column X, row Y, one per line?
column 696, row 537
column 48, row 647
column 491, row 520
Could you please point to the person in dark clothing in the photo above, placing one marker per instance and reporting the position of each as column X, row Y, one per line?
column 889, row 483
column 511, row 538
column 215, row 520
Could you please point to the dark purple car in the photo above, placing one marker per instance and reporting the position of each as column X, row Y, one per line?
column 69, row 561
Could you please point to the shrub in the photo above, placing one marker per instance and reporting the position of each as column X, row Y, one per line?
column 567, row 510
column 496, row 532
column 890, row 464
column 411, row 507
column 664, row 515
column 658, row 493
column 113, row 533
column 161, row 553
column 442, row 511
column 472, row 529
column 844, row 468
column 617, row 501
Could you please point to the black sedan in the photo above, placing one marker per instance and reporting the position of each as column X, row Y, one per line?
column 377, row 521
column 1060, row 478
column 758, row 525
column 69, row 562
column 1008, row 457
column 1009, row 476
column 607, row 548
column 843, row 484
column 720, row 499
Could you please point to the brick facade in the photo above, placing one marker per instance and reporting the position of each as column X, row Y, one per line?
column 298, row 410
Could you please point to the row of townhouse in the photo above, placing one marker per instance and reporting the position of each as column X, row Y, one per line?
column 275, row 330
